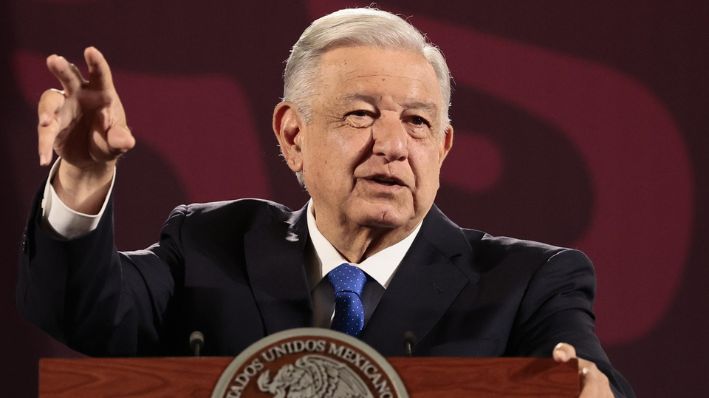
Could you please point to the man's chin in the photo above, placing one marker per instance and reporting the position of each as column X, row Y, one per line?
column 386, row 218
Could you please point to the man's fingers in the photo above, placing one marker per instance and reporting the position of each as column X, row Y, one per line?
column 49, row 104
column 90, row 109
column 117, row 136
column 593, row 382
column 563, row 352
column 45, row 144
column 99, row 71
column 77, row 73
column 120, row 139
column 48, row 127
column 108, row 144
column 67, row 74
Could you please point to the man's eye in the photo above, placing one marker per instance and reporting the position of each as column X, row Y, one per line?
column 359, row 118
column 419, row 121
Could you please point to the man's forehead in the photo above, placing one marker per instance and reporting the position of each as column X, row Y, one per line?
column 378, row 75
column 368, row 61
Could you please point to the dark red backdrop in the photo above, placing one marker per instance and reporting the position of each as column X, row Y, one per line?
column 578, row 123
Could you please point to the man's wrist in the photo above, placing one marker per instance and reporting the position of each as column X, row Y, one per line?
column 83, row 190
column 66, row 222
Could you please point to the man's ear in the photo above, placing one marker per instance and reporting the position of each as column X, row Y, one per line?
column 446, row 143
column 288, row 127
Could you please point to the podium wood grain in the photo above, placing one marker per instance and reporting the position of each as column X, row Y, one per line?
column 195, row 377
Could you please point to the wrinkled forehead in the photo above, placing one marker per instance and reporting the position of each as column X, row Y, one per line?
column 347, row 73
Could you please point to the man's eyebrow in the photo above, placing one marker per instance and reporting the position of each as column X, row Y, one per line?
column 357, row 97
column 426, row 106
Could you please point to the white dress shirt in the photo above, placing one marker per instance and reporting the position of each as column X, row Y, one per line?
column 380, row 266
column 323, row 258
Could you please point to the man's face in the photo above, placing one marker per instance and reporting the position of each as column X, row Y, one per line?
column 372, row 151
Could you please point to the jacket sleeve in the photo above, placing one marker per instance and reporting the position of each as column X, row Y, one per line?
column 93, row 298
column 558, row 307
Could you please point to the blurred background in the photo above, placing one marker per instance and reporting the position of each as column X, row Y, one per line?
column 581, row 124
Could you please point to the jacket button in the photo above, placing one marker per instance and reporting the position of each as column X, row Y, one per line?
column 24, row 245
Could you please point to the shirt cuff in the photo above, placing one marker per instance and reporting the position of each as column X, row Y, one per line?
column 67, row 223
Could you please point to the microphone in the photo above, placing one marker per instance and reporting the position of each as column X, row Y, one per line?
column 196, row 342
column 409, row 342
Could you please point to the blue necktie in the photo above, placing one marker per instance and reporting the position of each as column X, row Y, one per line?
column 348, row 282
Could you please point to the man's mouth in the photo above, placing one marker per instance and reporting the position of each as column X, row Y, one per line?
column 386, row 180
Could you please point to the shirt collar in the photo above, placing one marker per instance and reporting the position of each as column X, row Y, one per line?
column 380, row 266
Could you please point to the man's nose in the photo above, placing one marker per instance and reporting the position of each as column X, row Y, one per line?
column 390, row 139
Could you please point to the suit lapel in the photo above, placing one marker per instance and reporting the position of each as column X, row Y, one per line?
column 428, row 280
column 275, row 258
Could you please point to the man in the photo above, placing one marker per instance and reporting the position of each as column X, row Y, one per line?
column 364, row 125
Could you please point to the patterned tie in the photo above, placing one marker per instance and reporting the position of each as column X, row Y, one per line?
column 348, row 282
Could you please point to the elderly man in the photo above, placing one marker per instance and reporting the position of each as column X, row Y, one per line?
column 364, row 125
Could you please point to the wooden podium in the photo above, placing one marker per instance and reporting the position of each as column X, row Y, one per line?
column 196, row 377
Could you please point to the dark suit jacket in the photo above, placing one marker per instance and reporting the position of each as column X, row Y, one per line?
column 235, row 271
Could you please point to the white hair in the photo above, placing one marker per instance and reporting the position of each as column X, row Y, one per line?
column 352, row 27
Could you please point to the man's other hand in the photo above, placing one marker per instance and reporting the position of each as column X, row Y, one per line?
column 593, row 382
column 85, row 124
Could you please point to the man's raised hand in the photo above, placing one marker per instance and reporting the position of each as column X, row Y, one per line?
column 85, row 124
